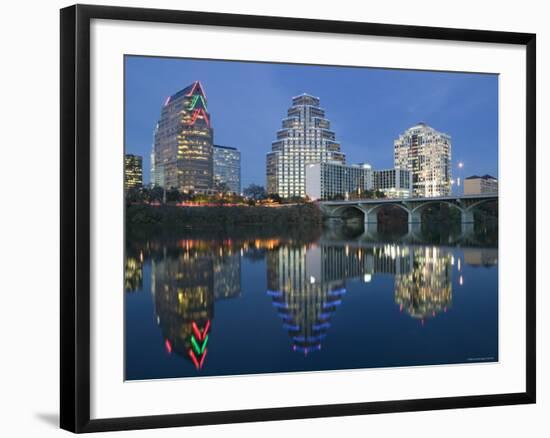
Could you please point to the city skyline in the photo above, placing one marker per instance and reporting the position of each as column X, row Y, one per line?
column 368, row 109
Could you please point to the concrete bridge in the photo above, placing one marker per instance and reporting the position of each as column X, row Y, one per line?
column 414, row 207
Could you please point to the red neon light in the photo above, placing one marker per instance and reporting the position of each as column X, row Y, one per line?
column 198, row 365
column 196, row 331
column 194, row 359
column 168, row 346
column 196, row 114
column 203, row 357
column 192, row 89
column 200, row 334
column 195, row 86
column 202, row 89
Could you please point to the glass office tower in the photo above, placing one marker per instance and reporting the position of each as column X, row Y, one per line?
column 305, row 138
column 183, row 151
column 227, row 168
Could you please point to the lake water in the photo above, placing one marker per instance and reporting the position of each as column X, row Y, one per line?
column 229, row 302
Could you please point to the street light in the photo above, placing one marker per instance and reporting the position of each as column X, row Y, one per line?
column 460, row 167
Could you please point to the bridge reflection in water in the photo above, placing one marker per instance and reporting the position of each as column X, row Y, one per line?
column 307, row 282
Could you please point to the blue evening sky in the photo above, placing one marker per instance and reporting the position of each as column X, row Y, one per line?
column 368, row 108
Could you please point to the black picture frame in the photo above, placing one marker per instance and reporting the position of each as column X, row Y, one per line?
column 75, row 217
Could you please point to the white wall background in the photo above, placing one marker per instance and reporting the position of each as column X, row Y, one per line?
column 29, row 218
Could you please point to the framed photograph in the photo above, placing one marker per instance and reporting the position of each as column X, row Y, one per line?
column 268, row 218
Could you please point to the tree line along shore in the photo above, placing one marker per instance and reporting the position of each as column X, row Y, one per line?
column 205, row 216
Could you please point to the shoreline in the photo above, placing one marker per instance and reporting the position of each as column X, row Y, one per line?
column 215, row 216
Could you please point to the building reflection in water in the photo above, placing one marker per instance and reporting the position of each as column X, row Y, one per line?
column 426, row 289
column 133, row 273
column 306, row 283
column 303, row 297
column 481, row 256
column 185, row 283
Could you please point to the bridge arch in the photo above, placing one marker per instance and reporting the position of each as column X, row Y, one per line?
column 371, row 214
column 342, row 211
column 416, row 212
column 341, row 208
column 479, row 203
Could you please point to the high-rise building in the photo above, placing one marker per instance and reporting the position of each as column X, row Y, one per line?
column 329, row 180
column 133, row 171
column 305, row 138
column 477, row 185
column 426, row 153
column 227, row 168
column 183, row 151
column 394, row 183
column 154, row 177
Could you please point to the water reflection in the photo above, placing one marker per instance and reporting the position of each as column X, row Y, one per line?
column 426, row 289
column 307, row 282
column 304, row 297
column 185, row 283
column 133, row 274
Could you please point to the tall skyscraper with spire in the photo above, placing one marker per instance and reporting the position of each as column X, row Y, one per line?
column 426, row 153
column 305, row 138
column 182, row 155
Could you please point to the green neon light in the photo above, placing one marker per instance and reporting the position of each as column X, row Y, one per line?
column 204, row 344
column 195, row 345
column 203, row 103
column 199, row 349
column 196, row 98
